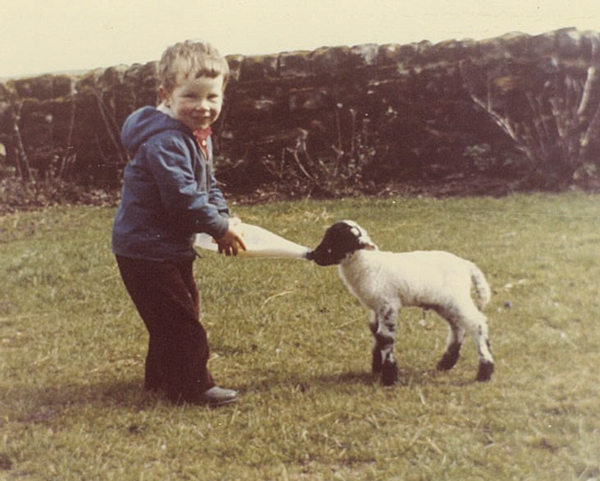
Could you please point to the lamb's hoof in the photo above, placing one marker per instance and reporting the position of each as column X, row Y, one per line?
column 446, row 363
column 389, row 373
column 485, row 371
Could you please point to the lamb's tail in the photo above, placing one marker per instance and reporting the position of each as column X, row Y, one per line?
column 482, row 288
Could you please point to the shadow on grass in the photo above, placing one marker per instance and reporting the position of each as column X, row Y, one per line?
column 365, row 378
column 407, row 377
column 41, row 404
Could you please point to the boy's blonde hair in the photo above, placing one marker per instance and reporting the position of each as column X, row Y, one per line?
column 191, row 60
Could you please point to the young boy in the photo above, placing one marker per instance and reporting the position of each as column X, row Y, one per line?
column 169, row 194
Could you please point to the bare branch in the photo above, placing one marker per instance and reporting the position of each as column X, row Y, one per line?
column 21, row 154
column 592, row 80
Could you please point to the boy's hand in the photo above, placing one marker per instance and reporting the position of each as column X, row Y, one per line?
column 229, row 243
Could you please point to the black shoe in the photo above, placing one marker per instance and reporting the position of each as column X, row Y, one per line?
column 218, row 396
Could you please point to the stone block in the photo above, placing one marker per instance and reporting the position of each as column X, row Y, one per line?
column 35, row 87
column 569, row 42
column 330, row 60
column 366, row 55
column 258, row 68
column 294, row 64
column 62, row 86
column 310, row 99
column 235, row 66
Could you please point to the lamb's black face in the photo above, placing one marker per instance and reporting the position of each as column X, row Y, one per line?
column 341, row 239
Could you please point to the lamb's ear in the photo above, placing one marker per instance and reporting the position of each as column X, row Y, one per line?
column 367, row 244
column 364, row 241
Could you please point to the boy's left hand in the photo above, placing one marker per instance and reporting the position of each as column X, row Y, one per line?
column 229, row 244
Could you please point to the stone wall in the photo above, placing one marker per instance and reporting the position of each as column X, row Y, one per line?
column 367, row 114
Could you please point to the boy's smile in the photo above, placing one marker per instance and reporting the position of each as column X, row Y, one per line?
column 197, row 102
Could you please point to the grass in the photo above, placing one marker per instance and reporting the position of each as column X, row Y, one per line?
column 290, row 338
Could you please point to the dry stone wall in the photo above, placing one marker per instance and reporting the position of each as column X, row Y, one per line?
column 306, row 120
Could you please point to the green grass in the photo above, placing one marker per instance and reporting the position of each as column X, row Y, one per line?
column 290, row 338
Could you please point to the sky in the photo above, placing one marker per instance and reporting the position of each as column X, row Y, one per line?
column 50, row 36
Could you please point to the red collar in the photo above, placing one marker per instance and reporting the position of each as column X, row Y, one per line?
column 201, row 136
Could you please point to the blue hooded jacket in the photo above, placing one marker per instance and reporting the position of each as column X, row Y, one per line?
column 169, row 190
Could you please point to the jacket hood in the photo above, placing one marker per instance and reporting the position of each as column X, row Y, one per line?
column 145, row 123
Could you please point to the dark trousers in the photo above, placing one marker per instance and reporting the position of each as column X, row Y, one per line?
column 167, row 299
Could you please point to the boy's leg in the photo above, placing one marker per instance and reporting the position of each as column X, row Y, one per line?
column 167, row 299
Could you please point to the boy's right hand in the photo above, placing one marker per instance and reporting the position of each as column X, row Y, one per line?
column 229, row 243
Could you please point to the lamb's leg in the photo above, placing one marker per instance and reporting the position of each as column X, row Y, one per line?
column 475, row 322
column 486, row 361
column 454, row 342
column 385, row 336
column 377, row 361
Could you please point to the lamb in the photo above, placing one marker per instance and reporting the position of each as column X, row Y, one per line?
column 386, row 281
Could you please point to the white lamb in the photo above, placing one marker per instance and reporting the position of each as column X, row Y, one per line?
column 387, row 281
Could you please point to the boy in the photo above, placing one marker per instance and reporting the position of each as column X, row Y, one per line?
column 169, row 194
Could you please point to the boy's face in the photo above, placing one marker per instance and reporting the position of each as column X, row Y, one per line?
column 196, row 102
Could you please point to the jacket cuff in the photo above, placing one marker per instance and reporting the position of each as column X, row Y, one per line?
column 221, row 228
